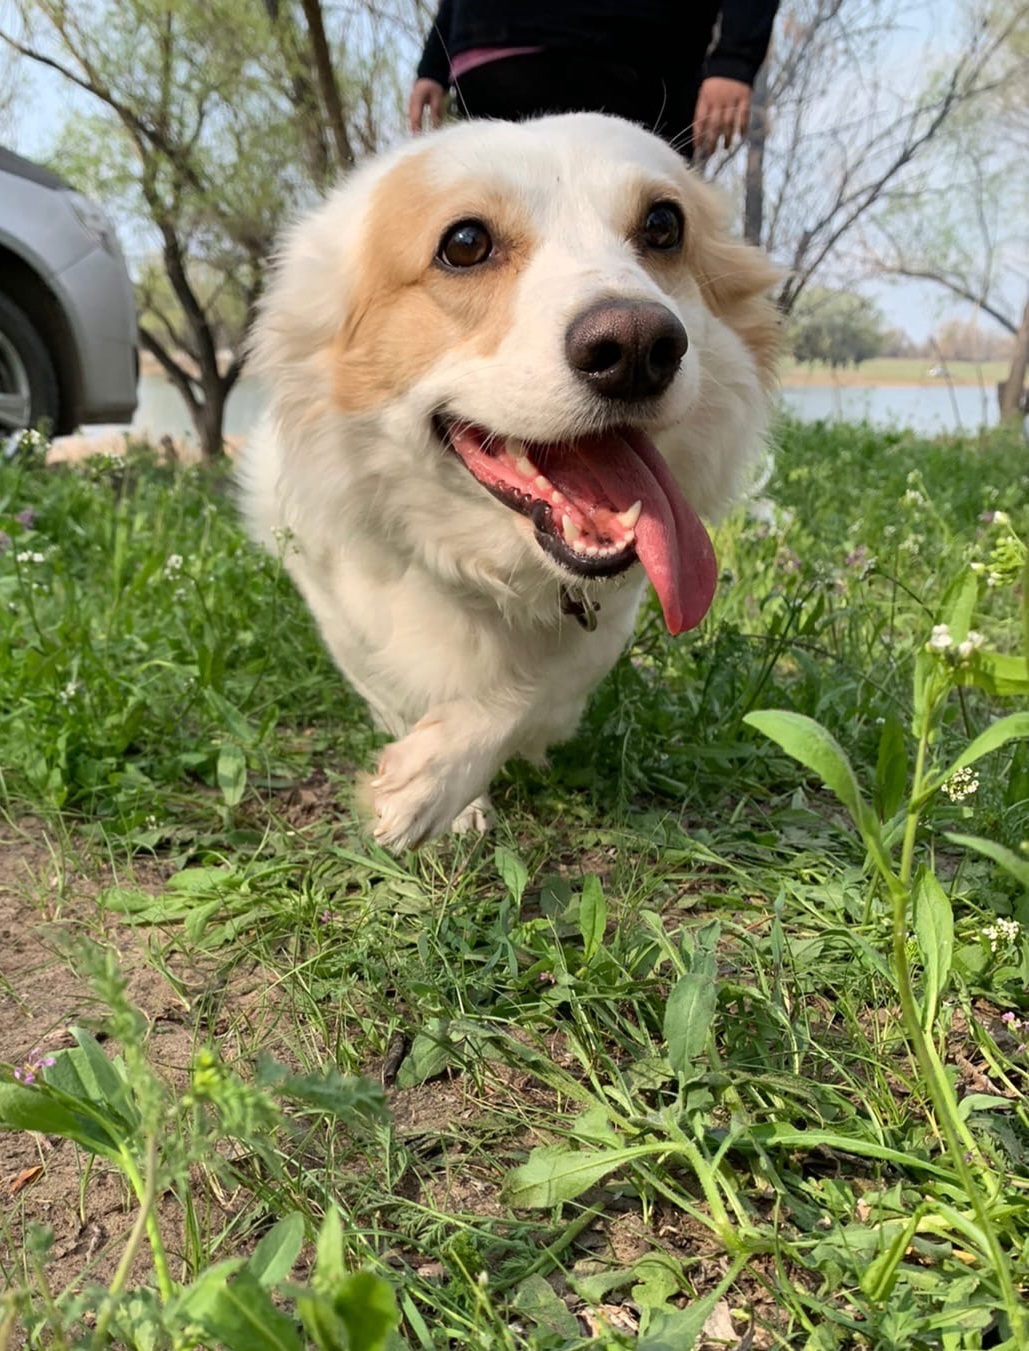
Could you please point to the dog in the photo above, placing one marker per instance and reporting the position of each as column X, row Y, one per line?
column 510, row 367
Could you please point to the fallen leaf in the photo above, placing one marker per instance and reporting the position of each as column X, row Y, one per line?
column 25, row 1178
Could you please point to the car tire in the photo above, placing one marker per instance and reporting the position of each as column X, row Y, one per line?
column 29, row 393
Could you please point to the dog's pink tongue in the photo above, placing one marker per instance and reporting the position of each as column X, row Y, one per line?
column 671, row 541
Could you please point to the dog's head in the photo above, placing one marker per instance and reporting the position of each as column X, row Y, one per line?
column 520, row 352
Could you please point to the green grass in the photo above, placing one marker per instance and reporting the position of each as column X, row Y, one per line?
column 650, row 1043
column 903, row 371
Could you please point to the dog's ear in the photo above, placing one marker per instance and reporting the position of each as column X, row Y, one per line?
column 735, row 278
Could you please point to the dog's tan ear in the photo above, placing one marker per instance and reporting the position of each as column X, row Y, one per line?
column 735, row 278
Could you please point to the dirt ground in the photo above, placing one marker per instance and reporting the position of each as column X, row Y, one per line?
column 48, row 900
column 49, row 889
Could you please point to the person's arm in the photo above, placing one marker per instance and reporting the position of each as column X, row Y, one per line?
column 429, row 91
column 744, row 32
column 723, row 103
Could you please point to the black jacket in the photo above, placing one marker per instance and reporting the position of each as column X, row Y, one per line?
column 663, row 36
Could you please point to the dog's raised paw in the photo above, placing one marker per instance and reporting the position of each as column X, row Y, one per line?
column 417, row 790
column 477, row 818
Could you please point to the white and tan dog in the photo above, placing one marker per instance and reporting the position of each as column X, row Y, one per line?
column 510, row 367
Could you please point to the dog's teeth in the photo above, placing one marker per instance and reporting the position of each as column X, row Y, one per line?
column 570, row 530
column 629, row 517
column 543, row 484
column 525, row 466
column 557, row 498
column 591, row 551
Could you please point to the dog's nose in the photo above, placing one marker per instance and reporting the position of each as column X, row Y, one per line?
column 626, row 349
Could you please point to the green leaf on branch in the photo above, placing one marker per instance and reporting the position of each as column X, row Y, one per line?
column 34, row 1109
column 368, row 1309
column 996, row 673
column 513, row 873
column 1011, row 862
column 232, row 774
column 818, row 750
column 1011, row 728
column 959, row 603
column 592, row 916
column 691, row 1006
column 555, row 1173
column 274, row 1257
column 242, row 1317
column 934, row 933
column 891, row 769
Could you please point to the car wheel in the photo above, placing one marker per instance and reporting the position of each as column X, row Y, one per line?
column 28, row 383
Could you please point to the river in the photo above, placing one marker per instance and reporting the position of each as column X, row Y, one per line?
column 930, row 410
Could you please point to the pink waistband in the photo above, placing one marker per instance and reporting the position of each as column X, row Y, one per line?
column 479, row 56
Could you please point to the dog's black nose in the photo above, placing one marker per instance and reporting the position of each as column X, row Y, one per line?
column 626, row 349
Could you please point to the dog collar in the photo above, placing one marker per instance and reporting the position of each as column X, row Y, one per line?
column 582, row 610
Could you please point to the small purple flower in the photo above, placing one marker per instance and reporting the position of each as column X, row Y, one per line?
column 26, row 1074
column 5, row 541
column 26, row 518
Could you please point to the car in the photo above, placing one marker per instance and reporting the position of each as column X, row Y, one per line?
column 68, row 337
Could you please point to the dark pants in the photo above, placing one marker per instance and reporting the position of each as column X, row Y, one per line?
column 517, row 87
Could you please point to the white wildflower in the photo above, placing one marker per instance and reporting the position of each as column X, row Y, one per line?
column 940, row 639
column 69, row 692
column 30, row 556
column 1002, row 931
column 173, row 565
column 962, row 784
column 974, row 641
column 913, row 498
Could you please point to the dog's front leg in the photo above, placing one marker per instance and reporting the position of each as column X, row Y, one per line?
column 436, row 777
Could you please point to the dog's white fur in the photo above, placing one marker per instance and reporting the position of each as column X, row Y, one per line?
column 435, row 599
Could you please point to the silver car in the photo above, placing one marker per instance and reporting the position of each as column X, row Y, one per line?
column 68, row 342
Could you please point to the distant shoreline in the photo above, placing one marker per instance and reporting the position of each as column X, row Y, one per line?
column 858, row 380
column 882, row 372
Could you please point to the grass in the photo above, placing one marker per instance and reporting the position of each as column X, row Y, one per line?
column 901, row 371
column 653, row 1055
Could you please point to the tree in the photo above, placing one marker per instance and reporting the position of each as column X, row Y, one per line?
column 838, row 328
column 214, row 119
column 831, row 140
column 961, row 226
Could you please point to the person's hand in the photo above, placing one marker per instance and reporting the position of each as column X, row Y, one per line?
column 425, row 94
column 723, row 113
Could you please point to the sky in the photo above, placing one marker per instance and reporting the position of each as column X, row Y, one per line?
column 45, row 101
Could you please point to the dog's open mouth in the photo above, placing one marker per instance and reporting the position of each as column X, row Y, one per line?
column 598, row 503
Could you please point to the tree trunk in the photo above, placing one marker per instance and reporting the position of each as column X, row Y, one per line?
column 208, row 419
column 1011, row 392
column 326, row 77
column 754, row 203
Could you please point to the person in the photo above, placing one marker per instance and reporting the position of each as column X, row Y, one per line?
column 655, row 62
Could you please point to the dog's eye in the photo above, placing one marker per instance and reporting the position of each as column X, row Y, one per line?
column 662, row 227
column 465, row 244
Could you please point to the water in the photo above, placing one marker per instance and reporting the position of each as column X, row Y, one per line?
column 930, row 410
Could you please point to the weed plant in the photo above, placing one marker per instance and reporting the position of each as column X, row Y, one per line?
column 744, row 972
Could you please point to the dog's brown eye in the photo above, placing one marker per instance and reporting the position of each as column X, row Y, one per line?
column 465, row 244
column 662, row 228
